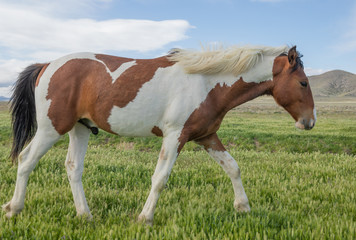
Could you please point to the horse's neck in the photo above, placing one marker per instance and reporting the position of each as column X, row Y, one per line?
column 242, row 92
column 233, row 91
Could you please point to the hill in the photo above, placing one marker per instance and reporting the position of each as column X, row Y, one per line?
column 335, row 83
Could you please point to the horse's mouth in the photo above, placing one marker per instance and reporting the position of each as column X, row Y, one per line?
column 304, row 124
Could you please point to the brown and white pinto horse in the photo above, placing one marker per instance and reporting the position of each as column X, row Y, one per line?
column 181, row 97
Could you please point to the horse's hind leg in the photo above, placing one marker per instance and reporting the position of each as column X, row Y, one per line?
column 27, row 160
column 78, row 142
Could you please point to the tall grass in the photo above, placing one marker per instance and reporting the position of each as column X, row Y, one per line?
column 301, row 185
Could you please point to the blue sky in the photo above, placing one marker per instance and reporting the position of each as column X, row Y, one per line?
column 39, row 31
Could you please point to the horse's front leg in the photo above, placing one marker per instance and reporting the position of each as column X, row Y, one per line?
column 167, row 157
column 218, row 152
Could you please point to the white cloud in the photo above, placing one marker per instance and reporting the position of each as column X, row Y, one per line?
column 61, row 9
column 9, row 69
column 5, row 91
column 33, row 32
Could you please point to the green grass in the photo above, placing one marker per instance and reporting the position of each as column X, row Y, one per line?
column 301, row 185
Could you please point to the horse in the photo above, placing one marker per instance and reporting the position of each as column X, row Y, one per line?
column 182, row 96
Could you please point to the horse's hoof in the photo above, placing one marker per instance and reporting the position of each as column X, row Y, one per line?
column 143, row 219
column 6, row 207
column 9, row 211
column 86, row 216
column 242, row 207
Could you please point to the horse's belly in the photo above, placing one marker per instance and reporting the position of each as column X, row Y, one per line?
column 130, row 122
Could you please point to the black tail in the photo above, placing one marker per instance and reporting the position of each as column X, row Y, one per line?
column 23, row 109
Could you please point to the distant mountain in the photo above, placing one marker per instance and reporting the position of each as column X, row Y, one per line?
column 335, row 83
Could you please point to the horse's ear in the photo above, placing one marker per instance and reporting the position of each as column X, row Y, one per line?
column 278, row 66
column 292, row 56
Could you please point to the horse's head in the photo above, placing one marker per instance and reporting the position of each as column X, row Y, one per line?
column 292, row 90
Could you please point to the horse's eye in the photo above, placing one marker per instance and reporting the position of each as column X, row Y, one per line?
column 304, row 84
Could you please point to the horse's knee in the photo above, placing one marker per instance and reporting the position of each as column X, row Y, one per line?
column 25, row 168
column 235, row 172
column 69, row 164
column 74, row 171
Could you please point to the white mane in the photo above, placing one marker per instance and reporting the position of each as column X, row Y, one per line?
column 235, row 59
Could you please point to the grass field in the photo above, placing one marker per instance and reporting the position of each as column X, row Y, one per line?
column 301, row 184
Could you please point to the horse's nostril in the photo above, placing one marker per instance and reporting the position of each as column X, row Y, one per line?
column 310, row 125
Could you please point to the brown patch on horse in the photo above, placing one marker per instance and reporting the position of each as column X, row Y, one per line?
column 69, row 90
column 124, row 89
column 211, row 142
column 206, row 119
column 112, row 62
column 82, row 88
column 41, row 73
column 157, row 131
column 127, row 85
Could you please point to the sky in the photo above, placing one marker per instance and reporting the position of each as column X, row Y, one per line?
column 32, row 31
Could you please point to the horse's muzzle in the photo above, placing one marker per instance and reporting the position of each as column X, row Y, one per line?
column 305, row 124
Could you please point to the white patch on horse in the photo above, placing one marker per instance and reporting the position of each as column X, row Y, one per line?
column 179, row 95
column 166, row 101
column 261, row 72
column 116, row 74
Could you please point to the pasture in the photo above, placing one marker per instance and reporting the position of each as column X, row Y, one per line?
column 300, row 184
